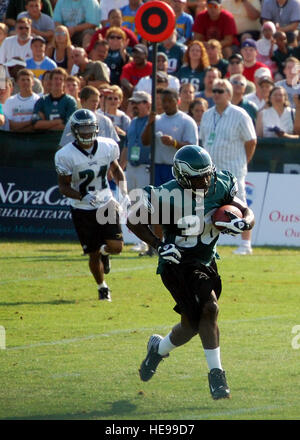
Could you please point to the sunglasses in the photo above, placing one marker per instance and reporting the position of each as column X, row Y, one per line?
column 219, row 91
column 22, row 28
column 212, row 6
column 60, row 33
column 237, row 83
column 115, row 37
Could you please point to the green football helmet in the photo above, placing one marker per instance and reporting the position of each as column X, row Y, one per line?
column 192, row 161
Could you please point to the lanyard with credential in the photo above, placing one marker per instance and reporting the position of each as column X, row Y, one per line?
column 212, row 135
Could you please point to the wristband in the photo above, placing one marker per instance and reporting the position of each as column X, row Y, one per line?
column 175, row 143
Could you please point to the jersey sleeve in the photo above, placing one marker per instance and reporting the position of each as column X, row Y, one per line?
column 62, row 164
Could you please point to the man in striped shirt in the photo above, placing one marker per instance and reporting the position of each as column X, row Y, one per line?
column 228, row 134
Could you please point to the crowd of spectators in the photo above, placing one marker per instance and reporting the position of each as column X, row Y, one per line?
column 51, row 51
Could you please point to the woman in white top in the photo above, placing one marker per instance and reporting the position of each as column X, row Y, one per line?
column 278, row 119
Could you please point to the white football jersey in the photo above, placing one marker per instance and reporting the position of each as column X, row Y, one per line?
column 88, row 169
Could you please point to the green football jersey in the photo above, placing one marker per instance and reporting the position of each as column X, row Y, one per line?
column 186, row 217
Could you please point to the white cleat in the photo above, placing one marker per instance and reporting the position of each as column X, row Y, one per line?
column 243, row 250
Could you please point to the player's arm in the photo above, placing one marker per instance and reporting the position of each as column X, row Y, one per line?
column 119, row 177
column 64, row 186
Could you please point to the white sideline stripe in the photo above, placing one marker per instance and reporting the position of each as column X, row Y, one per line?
column 232, row 412
column 51, row 277
column 124, row 331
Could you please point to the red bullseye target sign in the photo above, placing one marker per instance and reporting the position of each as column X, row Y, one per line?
column 155, row 21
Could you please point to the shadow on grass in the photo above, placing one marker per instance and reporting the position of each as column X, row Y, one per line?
column 115, row 409
column 55, row 302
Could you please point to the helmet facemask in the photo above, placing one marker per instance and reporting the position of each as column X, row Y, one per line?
column 85, row 133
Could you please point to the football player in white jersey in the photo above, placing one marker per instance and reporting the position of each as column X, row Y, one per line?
column 82, row 168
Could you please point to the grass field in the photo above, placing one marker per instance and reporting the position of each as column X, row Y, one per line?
column 69, row 356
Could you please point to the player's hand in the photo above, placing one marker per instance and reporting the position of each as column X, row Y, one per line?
column 169, row 252
column 91, row 199
column 236, row 225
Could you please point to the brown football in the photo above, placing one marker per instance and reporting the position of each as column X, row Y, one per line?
column 221, row 216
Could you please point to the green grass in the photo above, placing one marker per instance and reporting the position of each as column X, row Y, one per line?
column 70, row 356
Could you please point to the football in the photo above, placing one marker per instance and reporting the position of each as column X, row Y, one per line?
column 221, row 216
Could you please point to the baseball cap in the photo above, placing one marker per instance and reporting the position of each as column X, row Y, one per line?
column 140, row 97
column 140, row 48
column 162, row 54
column 15, row 61
column 262, row 72
column 236, row 56
column 249, row 43
column 38, row 38
column 267, row 79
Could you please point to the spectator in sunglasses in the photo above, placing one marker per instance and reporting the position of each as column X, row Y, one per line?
column 60, row 48
column 42, row 24
column 239, row 84
column 117, row 55
column 18, row 45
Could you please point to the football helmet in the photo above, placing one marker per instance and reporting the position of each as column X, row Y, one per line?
column 84, row 126
column 192, row 161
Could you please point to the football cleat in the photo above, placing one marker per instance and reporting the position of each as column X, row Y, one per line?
column 104, row 294
column 106, row 263
column 150, row 363
column 217, row 384
column 243, row 250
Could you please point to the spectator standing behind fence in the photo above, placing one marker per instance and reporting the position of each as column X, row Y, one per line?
column 246, row 14
column 129, row 12
column 196, row 110
column 186, row 96
column 42, row 24
column 173, row 129
column 17, row 45
column 106, row 7
column 117, row 54
column 60, row 48
column 291, row 83
column 15, row 7
column 215, row 56
column 133, row 71
column 184, row 21
column 263, row 84
column 236, row 65
column 13, row 66
column 228, row 134
column 249, row 53
column 89, row 99
column 266, row 46
column 285, row 14
column 239, row 85
column 39, row 62
column 114, row 20
column 73, row 88
column 195, row 62
column 211, row 74
column 5, row 93
column 282, row 52
column 174, row 51
column 77, row 16
column 51, row 112
column 18, row 109
column 216, row 23
column 93, row 73
column 278, row 119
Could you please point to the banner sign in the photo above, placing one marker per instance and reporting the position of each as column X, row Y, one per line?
column 32, row 207
column 280, row 218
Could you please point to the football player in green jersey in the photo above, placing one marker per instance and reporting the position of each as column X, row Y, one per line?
column 184, row 207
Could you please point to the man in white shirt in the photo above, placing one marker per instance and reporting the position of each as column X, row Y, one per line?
column 18, row 109
column 17, row 45
column 228, row 134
